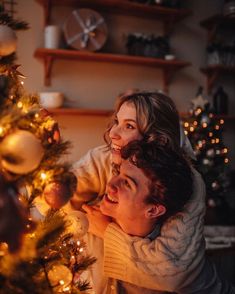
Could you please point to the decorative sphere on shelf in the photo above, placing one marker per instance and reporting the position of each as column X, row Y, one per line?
column 21, row 152
column 57, row 194
column 7, row 40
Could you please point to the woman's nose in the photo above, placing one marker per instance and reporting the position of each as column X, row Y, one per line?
column 114, row 132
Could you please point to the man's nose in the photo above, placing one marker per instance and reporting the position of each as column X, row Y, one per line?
column 111, row 185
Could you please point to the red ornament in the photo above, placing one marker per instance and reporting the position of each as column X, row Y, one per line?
column 57, row 194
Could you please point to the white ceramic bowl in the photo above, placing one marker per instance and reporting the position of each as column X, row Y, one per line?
column 51, row 99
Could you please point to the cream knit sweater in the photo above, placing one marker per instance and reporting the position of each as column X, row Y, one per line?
column 171, row 261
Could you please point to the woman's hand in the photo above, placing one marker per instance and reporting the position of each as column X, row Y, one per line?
column 97, row 221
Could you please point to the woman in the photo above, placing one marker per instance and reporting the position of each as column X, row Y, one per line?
column 176, row 256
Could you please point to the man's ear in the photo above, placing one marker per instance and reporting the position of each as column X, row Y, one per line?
column 154, row 211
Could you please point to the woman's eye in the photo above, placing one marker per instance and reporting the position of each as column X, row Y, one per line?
column 115, row 121
column 129, row 126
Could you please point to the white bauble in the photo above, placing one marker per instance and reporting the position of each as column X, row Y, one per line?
column 25, row 148
column 7, row 40
column 77, row 223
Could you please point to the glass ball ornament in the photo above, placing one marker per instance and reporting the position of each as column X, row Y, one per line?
column 21, row 152
column 210, row 152
column 77, row 223
column 8, row 40
column 60, row 277
column 57, row 194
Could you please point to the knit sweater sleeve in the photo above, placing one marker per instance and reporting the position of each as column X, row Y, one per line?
column 92, row 172
column 169, row 260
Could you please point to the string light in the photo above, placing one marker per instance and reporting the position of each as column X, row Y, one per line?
column 61, row 282
column 195, row 123
column 1, row 130
column 191, row 129
column 221, row 121
column 36, row 115
column 43, row 175
column 210, row 134
column 186, row 124
column 186, row 132
column 217, row 127
column 19, row 104
column 204, row 125
column 225, row 150
column 226, row 160
column 217, row 140
column 211, row 115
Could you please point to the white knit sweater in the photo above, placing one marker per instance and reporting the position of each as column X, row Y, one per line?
column 171, row 261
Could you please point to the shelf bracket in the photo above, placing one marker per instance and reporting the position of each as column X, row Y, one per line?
column 47, row 10
column 167, row 77
column 211, row 80
column 48, row 61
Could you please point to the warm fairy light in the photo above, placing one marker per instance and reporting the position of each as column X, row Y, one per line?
column 217, row 152
column 213, row 141
column 61, row 282
column 36, row 115
column 22, row 83
column 191, row 129
column 43, row 176
column 78, row 243
column 211, row 115
column 225, row 150
column 11, row 97
column 198, row 111
column 200, row 145
column 217, row 140
column 210, row 134
column 65, row 289
column 81, row 249
column 195, row 123
column 186, row 132
column 217, row 127
column 226, row 160
column 1, row 130
column 19, row 104
column 204, row 125
column 32, row 235
column 221, row 121
column 186, row 124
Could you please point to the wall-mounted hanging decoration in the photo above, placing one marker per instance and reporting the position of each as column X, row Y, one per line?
column 85, row 29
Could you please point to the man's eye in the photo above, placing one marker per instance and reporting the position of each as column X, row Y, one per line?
column 127, row 184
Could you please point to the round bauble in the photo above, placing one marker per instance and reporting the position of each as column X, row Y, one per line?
column 60, row 277
column 21, row 152
column 7, row 40
column 57, row 194
column 77, row 223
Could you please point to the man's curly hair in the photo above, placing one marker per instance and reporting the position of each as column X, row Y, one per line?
column 169, row 172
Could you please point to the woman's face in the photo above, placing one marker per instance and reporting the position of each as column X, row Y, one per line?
column 124, row 130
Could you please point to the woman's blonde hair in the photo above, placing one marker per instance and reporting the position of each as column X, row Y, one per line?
column 156, row 115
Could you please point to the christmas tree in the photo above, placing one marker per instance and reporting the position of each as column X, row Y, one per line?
column 36, row 256
column 205, row 132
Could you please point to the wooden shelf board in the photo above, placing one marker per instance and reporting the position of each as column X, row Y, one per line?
column 108, row 57
column 218, row 20
column 81, row 112
column 109, row 112
column 125, row 7
column 218, row 68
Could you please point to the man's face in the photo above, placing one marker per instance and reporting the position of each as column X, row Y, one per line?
column 124, row 200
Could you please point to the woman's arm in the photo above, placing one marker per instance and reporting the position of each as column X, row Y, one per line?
column 92, row 172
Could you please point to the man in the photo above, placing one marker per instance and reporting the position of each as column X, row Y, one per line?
column 153, row 183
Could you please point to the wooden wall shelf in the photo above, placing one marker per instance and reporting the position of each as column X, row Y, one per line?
column 108, row 112
column 213, row 72
column 168, row 16
column 217, row 21
column 49, row 55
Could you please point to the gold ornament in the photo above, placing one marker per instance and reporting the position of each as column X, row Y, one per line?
column 21, row 152
column 60, row 277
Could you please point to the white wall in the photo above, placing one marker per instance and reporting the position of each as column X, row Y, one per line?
column 95, row 85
